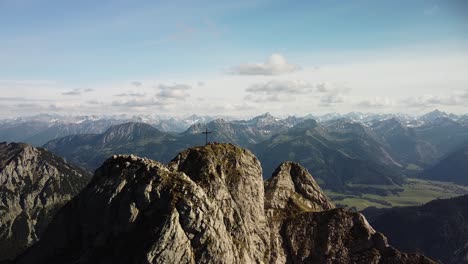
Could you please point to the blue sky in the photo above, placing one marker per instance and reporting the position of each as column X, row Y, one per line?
column 104, row 46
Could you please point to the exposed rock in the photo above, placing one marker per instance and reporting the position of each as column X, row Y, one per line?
column 289, row 192
column 292, row 188
column 232, row 178
column 34, row 184
column 339, row 236
column 207, row 206
column 304, row 227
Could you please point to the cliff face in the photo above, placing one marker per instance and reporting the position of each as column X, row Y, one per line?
column 34, row 184
column 209, row 205
column 231, row 177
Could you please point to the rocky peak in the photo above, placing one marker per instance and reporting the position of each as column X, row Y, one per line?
column 207, row 206
column 264, row 119
column 339, row 236
column 12, row 150
column 391, row 127
column 232, row 177
column 292, row 189
column 434, row 114
column 305, row 125
column 34, row 184
column 305, row 227
column 347, row 126
column 215, row 125
column 223, row 163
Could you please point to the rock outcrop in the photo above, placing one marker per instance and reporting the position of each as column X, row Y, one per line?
column 209, row 205
column 34, row 184
column 305, row 227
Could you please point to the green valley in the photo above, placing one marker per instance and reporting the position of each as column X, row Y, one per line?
column 413, row 192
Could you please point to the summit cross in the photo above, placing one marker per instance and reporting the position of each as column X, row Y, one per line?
column 206, row 132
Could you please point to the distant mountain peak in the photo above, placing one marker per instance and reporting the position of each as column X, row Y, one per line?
column 266, row 115
column 128, row 131
column 433, row 115
column 132, row 126
column 437, row 111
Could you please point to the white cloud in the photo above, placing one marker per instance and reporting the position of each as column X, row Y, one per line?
column 287, row 90
column 429, row 100
column 131, row 94
column 277, row 90
column 281, row 86
column 167, row 96
column 331, row 99
column 269, row 98
column 136, row 83
column 136, row 103
column 23, row 99
column 276, row 64
column 72, row 92
column 376, row 102
column 323, row 87
column 332, row 94
column 94, row 102
column 412, row 83
column 77, row 92
column 177, row 91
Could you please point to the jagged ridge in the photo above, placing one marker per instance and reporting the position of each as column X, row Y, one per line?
column 34, row 184
column 209, row 205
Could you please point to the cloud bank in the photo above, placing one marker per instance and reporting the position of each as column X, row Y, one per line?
column 77, row 92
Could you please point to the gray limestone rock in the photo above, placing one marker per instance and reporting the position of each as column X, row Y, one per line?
column 34, row 184
column 209, row 205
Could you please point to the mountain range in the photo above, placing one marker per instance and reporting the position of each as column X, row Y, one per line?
column 39, row 129
column 341, row 152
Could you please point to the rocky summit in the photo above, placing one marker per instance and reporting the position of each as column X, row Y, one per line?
column 208, row 205
column 34, row 184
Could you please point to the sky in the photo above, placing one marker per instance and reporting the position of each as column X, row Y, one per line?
column 236, row 58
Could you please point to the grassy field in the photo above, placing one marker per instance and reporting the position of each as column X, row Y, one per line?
column 414, row 192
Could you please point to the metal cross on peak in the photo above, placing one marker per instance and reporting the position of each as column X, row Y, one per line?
column 206, row 132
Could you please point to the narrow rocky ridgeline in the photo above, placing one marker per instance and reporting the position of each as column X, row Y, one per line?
column 209, row 205
column 34, row 184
